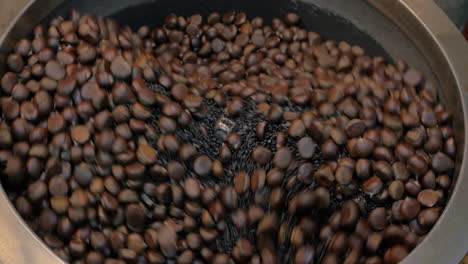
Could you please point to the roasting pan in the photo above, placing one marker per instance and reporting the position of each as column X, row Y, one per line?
column 415, row 30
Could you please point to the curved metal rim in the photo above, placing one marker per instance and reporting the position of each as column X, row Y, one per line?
column 449, row 43
column 449, row 233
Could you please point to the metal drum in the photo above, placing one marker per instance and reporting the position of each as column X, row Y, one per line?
column 415, row 30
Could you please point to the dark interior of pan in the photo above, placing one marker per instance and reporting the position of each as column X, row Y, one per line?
column 354, row 21
column 328, row 24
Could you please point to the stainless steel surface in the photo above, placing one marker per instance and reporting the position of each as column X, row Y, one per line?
column 432, row 44
column 10, row 8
